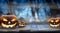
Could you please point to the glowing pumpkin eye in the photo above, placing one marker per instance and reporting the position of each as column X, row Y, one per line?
column 56, row 20
column 52, row 20
column 13, row 19
column 4, row 19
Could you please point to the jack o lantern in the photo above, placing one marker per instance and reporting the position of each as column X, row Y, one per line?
column 54, row 22
column 8, row 21
column 22, row 24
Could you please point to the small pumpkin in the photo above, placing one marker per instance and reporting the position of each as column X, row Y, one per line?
column 22, row 24
column 54, row 22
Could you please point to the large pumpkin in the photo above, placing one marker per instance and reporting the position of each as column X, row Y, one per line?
column 54, row 22
column 8, row 21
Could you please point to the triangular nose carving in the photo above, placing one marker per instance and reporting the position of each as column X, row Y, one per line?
column 9, row 22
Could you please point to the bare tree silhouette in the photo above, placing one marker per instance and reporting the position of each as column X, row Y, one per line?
column 1, row 12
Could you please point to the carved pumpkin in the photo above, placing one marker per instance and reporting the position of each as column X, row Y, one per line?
column 8, row 21
column 54, row 22
column 22, row 24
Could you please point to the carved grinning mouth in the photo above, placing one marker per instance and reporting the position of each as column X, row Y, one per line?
column 7, row 26
column 54, row 25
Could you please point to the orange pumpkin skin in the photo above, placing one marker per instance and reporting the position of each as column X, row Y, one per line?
column 0, row 22
column 54, row 22
column 22, row 24
column 8, row 21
